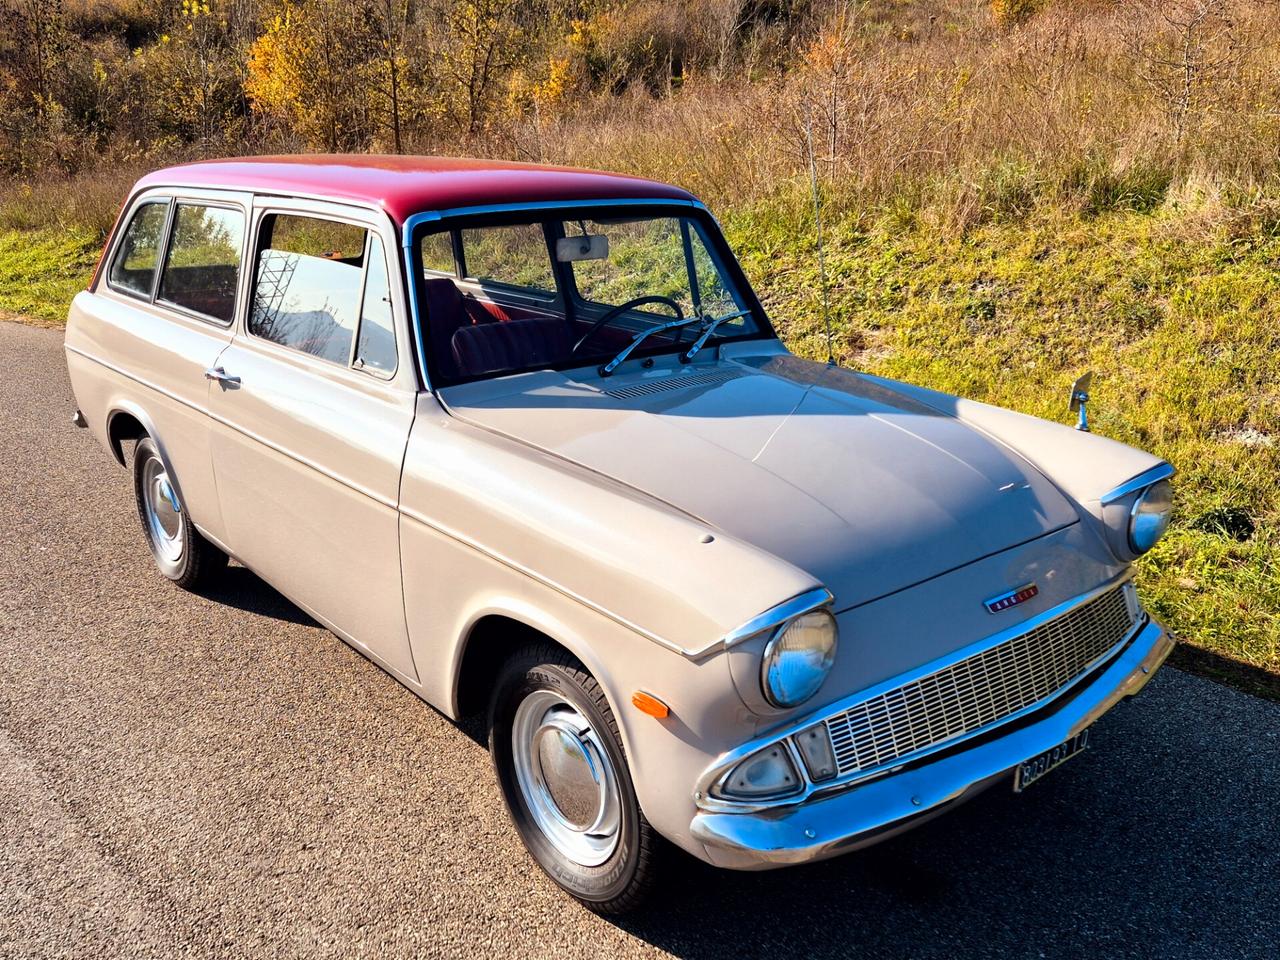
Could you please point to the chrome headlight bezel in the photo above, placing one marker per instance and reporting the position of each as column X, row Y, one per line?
column 1149, row 516
column 1122, row 507
column 785, row 684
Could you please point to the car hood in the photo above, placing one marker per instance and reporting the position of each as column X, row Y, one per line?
column 866, row 489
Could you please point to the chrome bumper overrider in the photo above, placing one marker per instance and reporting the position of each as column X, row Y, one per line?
column 877, row 809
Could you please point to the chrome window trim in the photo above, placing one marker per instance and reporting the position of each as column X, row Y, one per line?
column 179, row 200
column 1162, row 471
column 135, row 209
column 716, row 773
column 776, row 616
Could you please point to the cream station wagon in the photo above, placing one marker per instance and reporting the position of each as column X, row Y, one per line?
column 524, row 437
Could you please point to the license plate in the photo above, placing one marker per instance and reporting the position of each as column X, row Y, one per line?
column 1029, row 771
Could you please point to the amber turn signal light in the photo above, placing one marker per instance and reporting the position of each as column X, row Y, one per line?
column 649, row 704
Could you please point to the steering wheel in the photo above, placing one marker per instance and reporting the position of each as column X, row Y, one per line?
column 622, row 308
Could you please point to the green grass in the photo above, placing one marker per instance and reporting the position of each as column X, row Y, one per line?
column 1176, row 318
column 1173, row 309
column 41, row 270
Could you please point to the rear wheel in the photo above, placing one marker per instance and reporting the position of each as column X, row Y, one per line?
column 564, row 777
column 181, row 553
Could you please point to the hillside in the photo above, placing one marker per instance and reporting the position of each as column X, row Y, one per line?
column 1015, row 191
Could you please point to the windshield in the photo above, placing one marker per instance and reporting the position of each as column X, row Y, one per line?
column 556, row 292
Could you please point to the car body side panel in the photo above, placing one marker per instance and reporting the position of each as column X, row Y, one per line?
column 451, row 585
column 307, row 462
column 132, row 357
column 650, row 567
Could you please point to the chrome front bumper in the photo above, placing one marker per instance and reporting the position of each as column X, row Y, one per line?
column 875, row 810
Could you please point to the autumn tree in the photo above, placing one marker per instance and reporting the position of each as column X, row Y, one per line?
column 481, row 43
column 332, row 71
column 194, row 74
column 33, row 45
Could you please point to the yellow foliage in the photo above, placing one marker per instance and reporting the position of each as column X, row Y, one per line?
column 551, row 91
column 275, row 78
column 1009, row 13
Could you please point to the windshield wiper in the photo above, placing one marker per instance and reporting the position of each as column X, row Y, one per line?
column 642, row 336
column 707, row 331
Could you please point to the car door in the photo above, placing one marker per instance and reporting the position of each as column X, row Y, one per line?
column 311, row 414
column 161, row 316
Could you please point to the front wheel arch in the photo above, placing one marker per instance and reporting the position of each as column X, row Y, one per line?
column 493, row 638
column 498, row 633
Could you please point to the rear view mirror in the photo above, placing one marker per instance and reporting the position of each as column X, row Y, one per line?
column 591, row 246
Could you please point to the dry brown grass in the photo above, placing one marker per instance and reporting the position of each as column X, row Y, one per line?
column 936, row 110
column 946, row 114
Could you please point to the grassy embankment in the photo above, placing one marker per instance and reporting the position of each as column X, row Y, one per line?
column 41, row 270
column 1172, row 307
column 1168, row 299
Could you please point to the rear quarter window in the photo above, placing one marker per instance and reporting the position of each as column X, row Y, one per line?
column 203, row 263
column 134, row 267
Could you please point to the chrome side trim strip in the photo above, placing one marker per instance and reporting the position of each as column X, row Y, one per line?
column 1157, row 473
column 540, row 578
column 776, row 616
column 283, row 451
column 720, row 768
column 136, row 379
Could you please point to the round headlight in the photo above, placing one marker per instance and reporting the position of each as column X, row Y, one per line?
column 1149, row 518
column 798, row 658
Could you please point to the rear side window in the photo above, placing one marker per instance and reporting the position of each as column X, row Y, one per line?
column 310, row 292
column 203, row 263
column 134, row 266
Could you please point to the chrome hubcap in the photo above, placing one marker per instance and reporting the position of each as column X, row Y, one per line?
column 567, row 780
column 164, row 515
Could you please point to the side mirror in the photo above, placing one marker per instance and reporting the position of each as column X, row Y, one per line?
column 1080, row 397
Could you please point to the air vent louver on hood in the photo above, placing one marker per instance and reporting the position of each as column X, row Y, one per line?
column 676, row 382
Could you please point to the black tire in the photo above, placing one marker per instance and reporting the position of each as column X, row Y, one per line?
column 622, row 882
column 194, row 562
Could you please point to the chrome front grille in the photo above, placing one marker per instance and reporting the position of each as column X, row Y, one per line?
column 982, row 689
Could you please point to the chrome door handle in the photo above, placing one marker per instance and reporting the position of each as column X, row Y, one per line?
column 217, row 373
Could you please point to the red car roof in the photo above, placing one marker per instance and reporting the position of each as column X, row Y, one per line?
column 404, row 186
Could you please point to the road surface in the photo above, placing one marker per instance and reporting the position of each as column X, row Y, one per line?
column 186, row 776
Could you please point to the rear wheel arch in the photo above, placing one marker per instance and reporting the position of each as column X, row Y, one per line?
column 123, row 425
column 128, row 421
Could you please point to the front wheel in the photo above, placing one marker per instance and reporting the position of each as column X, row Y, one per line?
column 181, row 553
column 559, row 762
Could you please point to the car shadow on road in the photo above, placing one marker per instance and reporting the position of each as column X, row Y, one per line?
column 1160, row 841
column 243, row 589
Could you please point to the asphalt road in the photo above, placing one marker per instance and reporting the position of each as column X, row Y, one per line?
column 186, row 776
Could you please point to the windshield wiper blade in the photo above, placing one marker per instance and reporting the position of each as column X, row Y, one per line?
column 642, row 336
column 708, row 331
